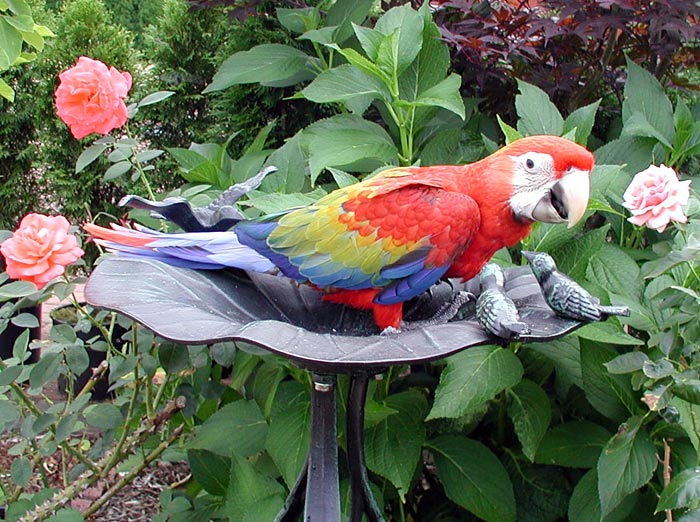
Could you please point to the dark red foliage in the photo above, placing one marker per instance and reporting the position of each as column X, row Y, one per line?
column 573, row 49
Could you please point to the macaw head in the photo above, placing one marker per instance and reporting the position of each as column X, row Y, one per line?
column 541, row 263
column 551, row 179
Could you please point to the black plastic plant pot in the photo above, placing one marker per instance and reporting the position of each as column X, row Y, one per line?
column 203, row 307
column 66, row 314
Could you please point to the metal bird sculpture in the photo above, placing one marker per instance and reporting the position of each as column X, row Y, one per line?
column 564, row 295
column 495, row 311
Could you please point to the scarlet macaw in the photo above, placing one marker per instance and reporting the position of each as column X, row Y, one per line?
column 378, row 243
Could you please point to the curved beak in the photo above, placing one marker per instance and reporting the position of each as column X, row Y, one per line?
column 566, row 200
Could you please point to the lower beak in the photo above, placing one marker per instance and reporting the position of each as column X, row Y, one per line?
column 566, row 200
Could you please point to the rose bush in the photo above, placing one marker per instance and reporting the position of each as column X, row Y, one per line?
column 655, row 197
column 40, row 249
column 90, row 97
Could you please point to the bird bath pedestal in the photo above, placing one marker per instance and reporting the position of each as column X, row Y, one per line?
column 200, row 307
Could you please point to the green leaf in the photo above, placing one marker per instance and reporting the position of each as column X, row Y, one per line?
column 364, row 65
column 88, row 156
column 344, row 83
column 626, row 463
column 77, row 359
column 638, row 126
column 17, row 289
column 473, row 477
column 261, row 64
column 393, row 446
column 427, row 70
column 9, row 375
column 291, row 163
column 633, row 152
column 445, row 94
column 509, row 132
column 103, row 416
column 248, row 490
column 265, row 382
column 689, row 420
column 582, row 119
column 10, row 44
column 615, row 271
column 239, row 427
column 274, row 203
column 6, row 91
column 611, row 395
column 687, row 389
column 608, row 333
column 690, row 252
column 8, row 413
column 19, row 347
column 348, row 142
column 45, row 370
column 173, row 357
column 584, row 505
column 370, row 40
column 573, row 444
column 210, row 470
column 66, row 515
column 573, row 257
column 473, row 377
column 19, row 7
column 645, row 95
column 116, row 170
column 608, row 183
column 155, row 97
column 148, row 155
column 342, row 178
column 21, row 471
column 627, row 362
column 682, row 491
column 343, row 14
column 538, row 115
column 403, row 30
column 298, row 20
column 531, row 414
column 25, row 320
column 288, row 437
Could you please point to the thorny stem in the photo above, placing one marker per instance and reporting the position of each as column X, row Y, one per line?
column 139, row 168
column 149, row 427
column 126, row 479
column 667, row 474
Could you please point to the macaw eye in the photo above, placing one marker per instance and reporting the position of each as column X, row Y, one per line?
column 529, row 163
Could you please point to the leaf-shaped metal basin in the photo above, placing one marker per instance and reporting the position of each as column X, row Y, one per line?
column 202, row 307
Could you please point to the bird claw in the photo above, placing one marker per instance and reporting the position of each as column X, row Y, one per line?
column 447, row 312
column 390, row 330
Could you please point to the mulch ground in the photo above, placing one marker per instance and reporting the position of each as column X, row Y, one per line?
column 137, row 502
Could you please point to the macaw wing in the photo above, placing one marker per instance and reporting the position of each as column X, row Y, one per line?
column 401, row 239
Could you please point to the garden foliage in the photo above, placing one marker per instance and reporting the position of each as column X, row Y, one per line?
column 599, row 425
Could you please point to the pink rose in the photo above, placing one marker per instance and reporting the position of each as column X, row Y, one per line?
column 90, row 97
column 40, row 248
column 656, row 197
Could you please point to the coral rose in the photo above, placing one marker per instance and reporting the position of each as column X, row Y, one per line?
column 656, row 197
column 40, row 248
column 90, row 97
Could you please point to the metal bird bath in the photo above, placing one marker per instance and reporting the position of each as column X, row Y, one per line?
column 203, row 307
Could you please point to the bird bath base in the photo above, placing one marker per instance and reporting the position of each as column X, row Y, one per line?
column 200, row 307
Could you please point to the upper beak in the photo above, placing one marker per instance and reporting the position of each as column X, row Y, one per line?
column 566, row 200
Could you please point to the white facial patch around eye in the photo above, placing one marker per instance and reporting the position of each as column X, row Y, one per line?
column 533, row 176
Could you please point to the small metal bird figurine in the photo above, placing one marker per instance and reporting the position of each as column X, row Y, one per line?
column 495, row 311
column 564, row 295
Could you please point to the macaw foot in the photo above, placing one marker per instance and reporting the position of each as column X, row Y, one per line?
column 446, row 313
